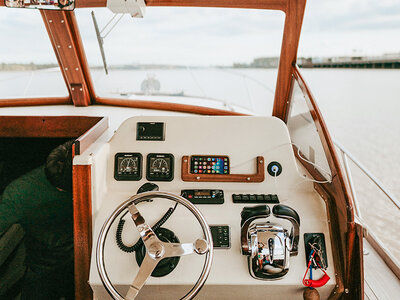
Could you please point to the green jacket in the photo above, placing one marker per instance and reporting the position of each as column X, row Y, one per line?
column 46, row 215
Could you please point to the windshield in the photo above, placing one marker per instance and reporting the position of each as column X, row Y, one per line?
column 28, row 65
column 214, row 57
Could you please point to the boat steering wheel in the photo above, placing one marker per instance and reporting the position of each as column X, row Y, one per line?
column 156, row 250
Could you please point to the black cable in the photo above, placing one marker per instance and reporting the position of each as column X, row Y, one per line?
column 130, row 249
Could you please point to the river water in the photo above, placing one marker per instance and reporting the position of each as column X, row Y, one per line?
column 360, row 107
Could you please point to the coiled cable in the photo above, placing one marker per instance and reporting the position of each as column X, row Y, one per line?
column 120, row 227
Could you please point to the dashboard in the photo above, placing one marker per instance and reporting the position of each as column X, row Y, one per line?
column 232, row 169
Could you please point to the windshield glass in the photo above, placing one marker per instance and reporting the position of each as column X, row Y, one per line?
column 214, row 57
column 28, row 65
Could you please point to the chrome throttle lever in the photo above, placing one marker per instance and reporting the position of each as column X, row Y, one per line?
column 288, row 213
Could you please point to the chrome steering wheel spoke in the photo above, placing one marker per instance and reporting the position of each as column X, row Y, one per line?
column 200, row 246
column 145, row 270
column 146, row 233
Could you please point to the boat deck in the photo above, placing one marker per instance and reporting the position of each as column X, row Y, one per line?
column 379, row 281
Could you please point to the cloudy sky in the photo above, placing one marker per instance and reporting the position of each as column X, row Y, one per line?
column 205, row 36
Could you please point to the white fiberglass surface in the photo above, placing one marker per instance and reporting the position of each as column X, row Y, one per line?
column 201, row 56
column 28, row 65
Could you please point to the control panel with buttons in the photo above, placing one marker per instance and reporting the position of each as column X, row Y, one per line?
column 204, row 196
column 255, row 198
column 221, row 236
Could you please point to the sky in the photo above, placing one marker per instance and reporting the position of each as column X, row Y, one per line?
column 212, row 36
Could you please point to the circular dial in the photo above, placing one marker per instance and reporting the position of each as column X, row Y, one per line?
column 160, row 165
column 128, row 165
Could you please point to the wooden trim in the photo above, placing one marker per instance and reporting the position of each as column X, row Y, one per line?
column 167, row 106
column 65, row 39
column 79, row 82
column 90, row 136
column 342, row 210
column 355, row 257
column 310, row 168
column 82, row 197
column 288, row 56
column 34, row 101
column 335, row 241
column 45, row 126
column 259, row 176
column 261, row 4
column 76, row 36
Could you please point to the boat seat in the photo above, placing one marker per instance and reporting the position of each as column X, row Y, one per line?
column 12, row 256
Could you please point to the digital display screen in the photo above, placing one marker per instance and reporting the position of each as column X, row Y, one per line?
column 202, row 193
column 150, row 131
column 209, row 165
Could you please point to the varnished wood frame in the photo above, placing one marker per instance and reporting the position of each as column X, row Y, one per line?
column 185, row 108
column 259, row 176
column 347, row 235
column 90, row 136
column 69, row 36
column 65, row 38
column 46, row 126
column 34, row 101
column 82, row 195
column 79, row 83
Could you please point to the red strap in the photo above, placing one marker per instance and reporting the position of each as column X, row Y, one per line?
column 317, row 283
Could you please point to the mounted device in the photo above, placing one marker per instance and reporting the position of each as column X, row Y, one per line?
column 269, row 246
column 136, row 8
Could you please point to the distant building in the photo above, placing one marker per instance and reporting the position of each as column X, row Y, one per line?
column 260, row 62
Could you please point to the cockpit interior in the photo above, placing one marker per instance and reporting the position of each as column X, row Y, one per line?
column 241, row 175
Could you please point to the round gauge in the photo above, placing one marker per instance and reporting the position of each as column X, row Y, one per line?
column 160, row 167
column 128, row 166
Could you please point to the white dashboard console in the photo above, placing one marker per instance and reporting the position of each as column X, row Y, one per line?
column 216, row 147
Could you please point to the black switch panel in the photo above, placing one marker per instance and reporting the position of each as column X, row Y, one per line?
column 221, row 236
column 318, row 241
column 255, row 198
column 150, row 131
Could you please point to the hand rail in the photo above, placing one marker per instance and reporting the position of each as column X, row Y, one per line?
column 346, row 154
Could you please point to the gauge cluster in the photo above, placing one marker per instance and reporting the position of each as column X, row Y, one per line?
column 128, row 166
column 159, row 167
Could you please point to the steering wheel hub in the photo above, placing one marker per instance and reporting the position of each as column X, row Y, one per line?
column 156, row 250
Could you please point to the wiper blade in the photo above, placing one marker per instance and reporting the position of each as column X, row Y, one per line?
column 100, row 40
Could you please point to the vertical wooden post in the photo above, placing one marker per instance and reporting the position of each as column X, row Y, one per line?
column 82, row 197
column 67, row 44
column 290, row 42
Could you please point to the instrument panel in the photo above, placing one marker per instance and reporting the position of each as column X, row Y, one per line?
column 128, row 166
column 221, row 191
